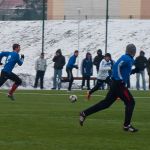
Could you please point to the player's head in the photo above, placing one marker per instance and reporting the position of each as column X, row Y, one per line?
column 88, row 55
column 16, row 48
column 58, row 52
column 76, row 53
column 142, row 53
column 99, row 52
column 107, row 56
column 131, row 50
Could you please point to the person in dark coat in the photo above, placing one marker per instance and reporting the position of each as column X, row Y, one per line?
column 87, row 70
column 148, row 70
column 98, row 59
column 141, row 64
column 59, row 62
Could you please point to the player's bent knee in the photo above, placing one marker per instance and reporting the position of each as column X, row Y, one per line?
column 19, row 82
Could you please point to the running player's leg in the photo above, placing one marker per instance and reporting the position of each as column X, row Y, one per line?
column 107, row 102
column 17, row 81
column 129, row 102
column 68, row 76
column 96, row 87
column 3, row 78
column 70, row 80
column 108, row 81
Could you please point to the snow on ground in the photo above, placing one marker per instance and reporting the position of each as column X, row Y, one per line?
column 64, row 35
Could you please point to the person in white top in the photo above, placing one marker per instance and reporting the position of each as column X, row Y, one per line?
column 103, row 74
column 40, row 67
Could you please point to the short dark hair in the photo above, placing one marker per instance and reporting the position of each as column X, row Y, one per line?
column 130, row 49
column 99, row 52
column 142, row 53
column 76, row 51
column 108, row 55
column 15, row 46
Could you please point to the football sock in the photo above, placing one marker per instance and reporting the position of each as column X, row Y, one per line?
column 12, row 90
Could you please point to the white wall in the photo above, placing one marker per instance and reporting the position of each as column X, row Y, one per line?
column 91, row 8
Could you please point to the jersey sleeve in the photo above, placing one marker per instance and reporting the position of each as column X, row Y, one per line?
column 3, row 54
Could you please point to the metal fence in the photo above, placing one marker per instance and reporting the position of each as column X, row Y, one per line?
column 27, row 10
column 38, row 10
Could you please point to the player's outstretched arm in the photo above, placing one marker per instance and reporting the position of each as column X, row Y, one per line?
column 20, row 60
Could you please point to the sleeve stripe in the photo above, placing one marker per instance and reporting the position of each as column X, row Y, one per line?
column 119, row 70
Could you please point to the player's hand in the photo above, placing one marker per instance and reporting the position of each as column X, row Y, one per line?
column 22, row 56
column 136, row 70
column 76, row 66
column 1, row 64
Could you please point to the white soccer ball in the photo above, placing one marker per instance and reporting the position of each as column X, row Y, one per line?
column 73, row 98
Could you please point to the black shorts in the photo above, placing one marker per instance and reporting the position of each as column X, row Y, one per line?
column 5, row 76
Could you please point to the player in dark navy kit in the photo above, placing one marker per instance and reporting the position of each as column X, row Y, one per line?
column 12, row 58
column 120, row 74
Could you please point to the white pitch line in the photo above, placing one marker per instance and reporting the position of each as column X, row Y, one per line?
column 49, row 94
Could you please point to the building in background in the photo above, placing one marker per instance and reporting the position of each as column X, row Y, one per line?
column 71, row 9
column 10, row 8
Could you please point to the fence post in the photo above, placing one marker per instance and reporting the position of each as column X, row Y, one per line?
column 43, row 26
column 107, row 17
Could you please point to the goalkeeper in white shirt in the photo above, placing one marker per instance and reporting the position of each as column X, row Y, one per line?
column 103, row 74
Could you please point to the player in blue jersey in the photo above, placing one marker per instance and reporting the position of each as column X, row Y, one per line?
column 69, row 68
column 120, row 74
column 12, row 58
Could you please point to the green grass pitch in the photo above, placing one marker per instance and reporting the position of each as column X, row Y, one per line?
column 46, row 120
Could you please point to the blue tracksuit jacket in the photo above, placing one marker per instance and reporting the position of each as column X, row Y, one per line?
column 11, row 59
column 122, row 68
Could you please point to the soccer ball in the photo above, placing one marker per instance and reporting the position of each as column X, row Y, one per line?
column 73, row 98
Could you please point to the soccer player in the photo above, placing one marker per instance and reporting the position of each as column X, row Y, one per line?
column 120, row 73
column 69, row 68
column 103, row 74
column 11, row 59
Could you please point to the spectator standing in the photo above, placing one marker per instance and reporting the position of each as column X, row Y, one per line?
column 98, row 59
column 148, row 70
column 40, row 67
column 141, row 64
column 87, row 70
column 59, row 62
